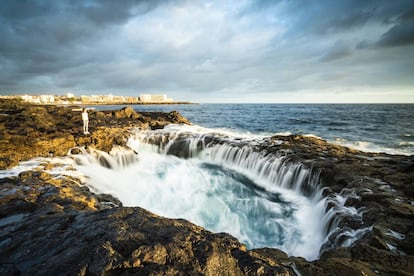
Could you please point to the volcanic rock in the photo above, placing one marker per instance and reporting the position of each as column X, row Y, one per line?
column 28, row 131
column 127, row 112
column 54, row 226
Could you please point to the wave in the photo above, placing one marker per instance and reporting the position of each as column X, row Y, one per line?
column 406, row 144
column 403, row 148
column 366, row 146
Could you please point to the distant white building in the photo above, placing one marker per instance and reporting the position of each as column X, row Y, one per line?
column 47, row 99
column 153, row 98
column 41, row 99
column 27, row 98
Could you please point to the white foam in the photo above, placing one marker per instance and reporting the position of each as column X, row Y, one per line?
column 406, row 143
column 395, row 234
column 284, row 133
column 312, row 136
column 366, row 146
column 211, row 194
column 210, row 188
column 200, row 130
column 23, row 166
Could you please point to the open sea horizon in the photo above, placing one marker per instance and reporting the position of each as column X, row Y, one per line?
column 385, row 128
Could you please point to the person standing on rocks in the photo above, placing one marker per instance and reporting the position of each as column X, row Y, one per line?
column 85, row 119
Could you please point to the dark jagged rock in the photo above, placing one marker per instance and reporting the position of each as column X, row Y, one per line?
column 379, row 184
column 56, row 227
column 158, row 119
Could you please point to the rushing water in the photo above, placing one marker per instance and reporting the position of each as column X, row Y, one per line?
column 370, row 127
column 215, row 174
column 260, row 199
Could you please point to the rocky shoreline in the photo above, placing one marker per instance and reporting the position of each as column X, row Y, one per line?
column 28, row 131
column 55, row 225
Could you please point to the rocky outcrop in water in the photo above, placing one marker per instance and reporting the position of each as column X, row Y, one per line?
column 51, row 224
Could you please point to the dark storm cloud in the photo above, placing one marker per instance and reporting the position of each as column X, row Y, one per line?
column 229, row 49
column 320, row 16
column 332, row 16
column 99, row 12
column 401, row 33
column 45, row 37
column 59, row 23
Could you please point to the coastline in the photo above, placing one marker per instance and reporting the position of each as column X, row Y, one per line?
column 129, row 103
column 28, row 131
column 101, row 236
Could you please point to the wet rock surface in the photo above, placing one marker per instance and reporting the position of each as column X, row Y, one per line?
column 28, row 131
column 54, row 225
column 51, row 226
column 369, row 197
column 380, row 187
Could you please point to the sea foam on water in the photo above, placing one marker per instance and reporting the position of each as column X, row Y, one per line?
column 257, row 199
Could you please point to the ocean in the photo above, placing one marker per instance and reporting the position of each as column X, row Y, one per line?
column 385, row 128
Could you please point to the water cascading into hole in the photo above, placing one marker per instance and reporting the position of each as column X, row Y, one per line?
column 117, row 158
column 224, row 184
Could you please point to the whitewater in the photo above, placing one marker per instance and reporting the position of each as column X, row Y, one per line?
column 215, row 179
column 219, row 178
column 213, row 188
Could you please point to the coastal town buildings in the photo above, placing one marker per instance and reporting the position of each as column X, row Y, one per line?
column 70, row 98
column 151, row 98
column 39, row 99
column 105, row 99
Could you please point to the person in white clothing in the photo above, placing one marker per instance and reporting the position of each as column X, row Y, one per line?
column 85, row 120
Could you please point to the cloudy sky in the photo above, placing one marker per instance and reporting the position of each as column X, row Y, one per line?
column 211, row 51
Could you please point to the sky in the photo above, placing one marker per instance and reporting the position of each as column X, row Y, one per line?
column 281, row 51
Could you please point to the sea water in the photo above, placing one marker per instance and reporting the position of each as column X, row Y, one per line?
column 369, row 127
